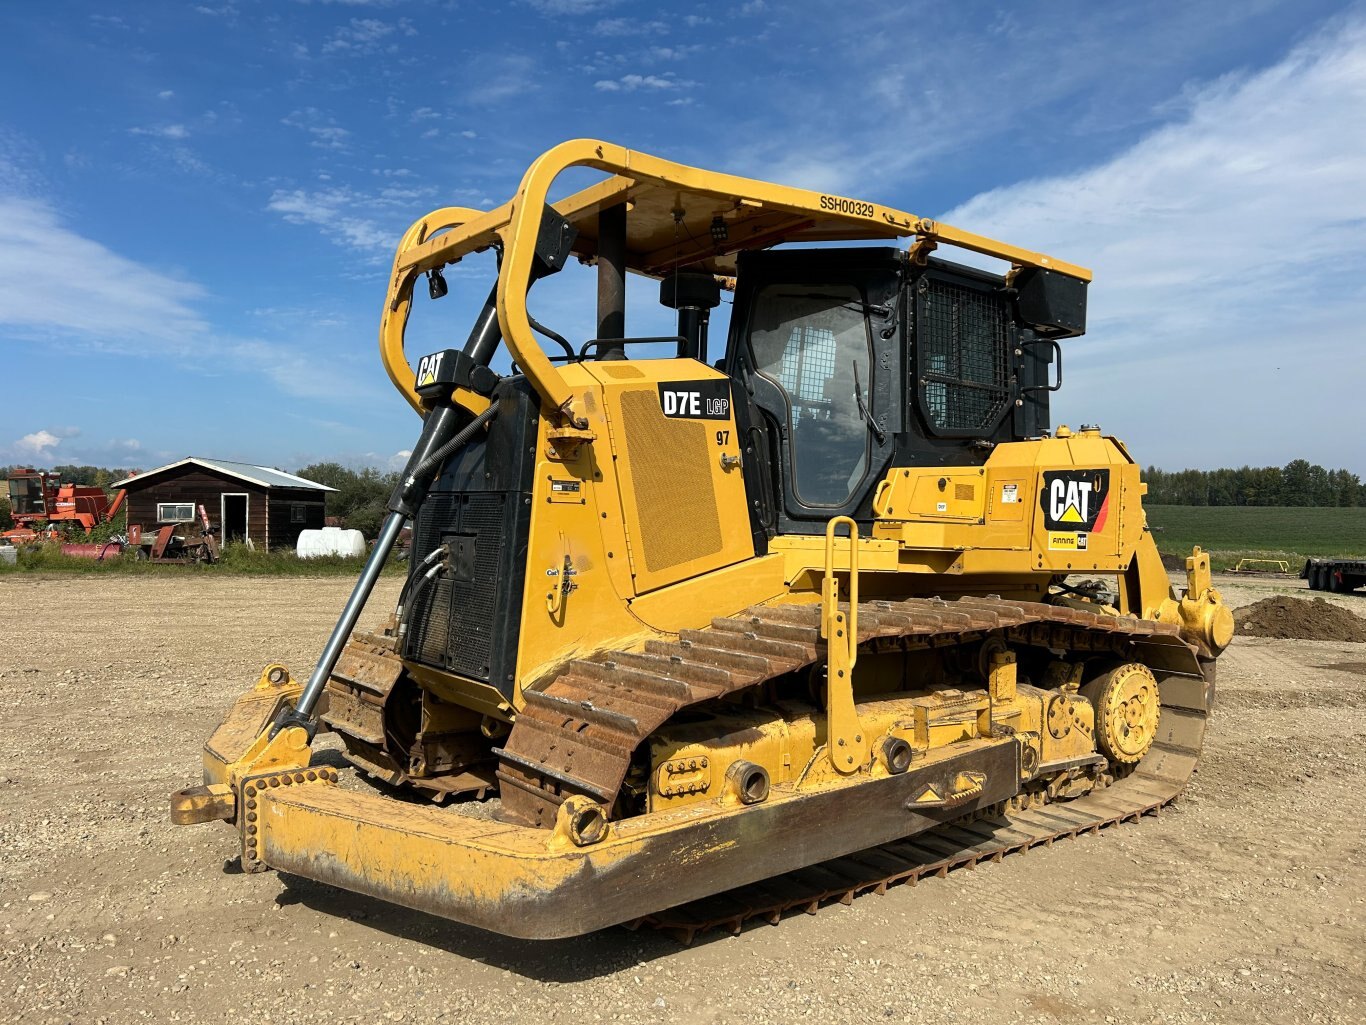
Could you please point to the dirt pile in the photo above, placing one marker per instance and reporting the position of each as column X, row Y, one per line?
column 1286, row 618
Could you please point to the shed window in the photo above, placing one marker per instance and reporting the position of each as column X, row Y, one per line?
column 174, row 512
column 298, row 512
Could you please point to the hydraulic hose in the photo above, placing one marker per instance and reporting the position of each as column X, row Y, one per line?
column 436, row 553
column 430, row 464
column 426, row 579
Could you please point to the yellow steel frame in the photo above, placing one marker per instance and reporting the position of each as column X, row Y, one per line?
column 846, row 746
column 447, row 235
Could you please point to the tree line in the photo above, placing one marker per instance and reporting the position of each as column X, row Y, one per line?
column 1298, row 482
column 360, row 497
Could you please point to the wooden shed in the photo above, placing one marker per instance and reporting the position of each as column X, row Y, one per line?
column 268, row 507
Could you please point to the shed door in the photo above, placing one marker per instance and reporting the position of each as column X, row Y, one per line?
column 234, row 515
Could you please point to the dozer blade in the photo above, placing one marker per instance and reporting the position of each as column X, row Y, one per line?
column 537, row 884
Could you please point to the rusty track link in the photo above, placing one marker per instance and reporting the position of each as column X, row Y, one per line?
column 576, row 735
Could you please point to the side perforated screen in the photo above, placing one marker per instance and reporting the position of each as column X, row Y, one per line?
column 452, row 620
column 671, row 484
column 962, row 338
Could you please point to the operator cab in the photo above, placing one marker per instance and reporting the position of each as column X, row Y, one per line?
column 27, row 495
column 848, row 362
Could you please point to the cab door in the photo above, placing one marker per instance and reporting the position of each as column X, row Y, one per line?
column 817, row 357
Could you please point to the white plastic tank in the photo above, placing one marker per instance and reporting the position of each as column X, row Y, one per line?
column 8, row 554
column 330, row 541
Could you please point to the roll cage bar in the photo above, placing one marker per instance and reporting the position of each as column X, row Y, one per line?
column 674, row 213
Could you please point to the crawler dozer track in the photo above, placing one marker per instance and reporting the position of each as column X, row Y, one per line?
column 1013, row 828
column 935, row 853
column 577, row 735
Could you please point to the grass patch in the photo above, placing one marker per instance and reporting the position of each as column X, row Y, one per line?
column 1230, row 533
column 237, row 560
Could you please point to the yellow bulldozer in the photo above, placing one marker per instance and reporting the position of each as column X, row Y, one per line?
column 694, row 633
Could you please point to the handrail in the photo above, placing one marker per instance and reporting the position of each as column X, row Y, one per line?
column 846, row 744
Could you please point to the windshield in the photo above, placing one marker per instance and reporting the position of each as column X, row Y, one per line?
column 26, row 496
column 812, row 342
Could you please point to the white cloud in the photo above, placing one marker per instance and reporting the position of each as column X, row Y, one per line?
column 630, row 83
column 162, row 131
column 45, row 447
column 326, row 133
column 673, row 53
column 496, row 78
column 293, row 370
column 364, row 221
column 361, row 37
column 1230, row 260
column 165, row 94
column 629, row 27
column 330, row 209
column 571, row 6
column 55, row 280
column 74, row 294
column 37, row 446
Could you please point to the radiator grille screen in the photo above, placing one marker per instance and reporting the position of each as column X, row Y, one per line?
column 452, row 620
column 962, row 338
column 672, row 486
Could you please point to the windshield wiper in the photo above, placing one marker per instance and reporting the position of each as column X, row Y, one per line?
column 878, row 432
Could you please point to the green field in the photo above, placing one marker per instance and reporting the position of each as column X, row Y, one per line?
column 1233, row 532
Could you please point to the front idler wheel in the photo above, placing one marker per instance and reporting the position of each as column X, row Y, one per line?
column 1128, row 709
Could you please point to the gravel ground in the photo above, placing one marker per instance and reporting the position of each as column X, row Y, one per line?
column 1244, row 903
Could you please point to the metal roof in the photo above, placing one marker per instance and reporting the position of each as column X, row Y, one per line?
column 265, row 476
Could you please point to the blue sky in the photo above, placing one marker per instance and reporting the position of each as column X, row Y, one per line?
column 199, row 202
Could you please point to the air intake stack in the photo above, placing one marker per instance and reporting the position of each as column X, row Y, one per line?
column 694, row 296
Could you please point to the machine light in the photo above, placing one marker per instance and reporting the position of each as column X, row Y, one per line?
column 436, row 283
